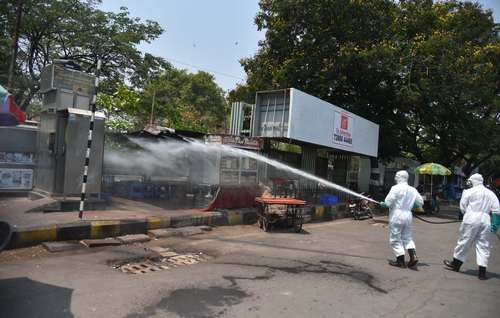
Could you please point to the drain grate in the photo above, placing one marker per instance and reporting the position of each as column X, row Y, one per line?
column 165, row 261
column 142, row 268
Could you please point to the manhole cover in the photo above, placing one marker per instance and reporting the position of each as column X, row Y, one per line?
column 164, row 261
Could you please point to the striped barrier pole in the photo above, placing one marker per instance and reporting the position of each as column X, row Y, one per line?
column 89, row 140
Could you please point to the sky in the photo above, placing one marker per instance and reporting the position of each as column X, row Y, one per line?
column 209, row 35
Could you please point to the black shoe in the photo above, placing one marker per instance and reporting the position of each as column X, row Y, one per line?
column 399, row 262
column 413, row 257
column 453, row 265
column 482, row 273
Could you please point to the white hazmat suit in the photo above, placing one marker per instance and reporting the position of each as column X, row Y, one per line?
column 476, row 204
column 400, row 201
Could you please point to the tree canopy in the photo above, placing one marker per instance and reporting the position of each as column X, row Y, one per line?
column 182, row 100
column 77, row 30
column 74, row 30
column 426, row 71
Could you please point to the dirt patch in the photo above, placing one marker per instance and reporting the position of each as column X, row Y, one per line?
column 23, row 253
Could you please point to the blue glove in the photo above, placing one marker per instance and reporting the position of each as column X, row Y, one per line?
column 383, row 205
column 495, row 222
column 415, row 206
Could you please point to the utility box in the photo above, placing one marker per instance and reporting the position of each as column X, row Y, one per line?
column 63, row 86
column 62, row 145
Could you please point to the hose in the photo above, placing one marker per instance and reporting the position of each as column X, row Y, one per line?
column 433, row 222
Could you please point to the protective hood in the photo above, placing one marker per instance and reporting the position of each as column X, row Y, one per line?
column 401, row 176
column 476, row 179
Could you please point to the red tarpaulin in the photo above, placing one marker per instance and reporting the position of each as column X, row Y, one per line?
column 10, row 113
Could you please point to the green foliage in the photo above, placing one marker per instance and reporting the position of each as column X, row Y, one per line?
column 426, row 71
column 185, row 101
column 120, row 108
column 76, row 30
column 181, row 100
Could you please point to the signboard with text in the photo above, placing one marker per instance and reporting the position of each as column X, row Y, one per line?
column 343, row 127
column 316, row 121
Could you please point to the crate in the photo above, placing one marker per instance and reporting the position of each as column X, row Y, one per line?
column 328, row 199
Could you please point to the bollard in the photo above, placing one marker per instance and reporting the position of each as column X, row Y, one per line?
column 5, row 234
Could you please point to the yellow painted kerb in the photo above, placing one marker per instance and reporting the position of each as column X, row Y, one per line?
column 234, row 218
column 99, row 229
column 45, row 234
column 319, row 211
column 158, row 223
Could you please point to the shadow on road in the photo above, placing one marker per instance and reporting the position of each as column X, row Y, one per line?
column 324, row 267
column 279, row 246
column 489, row 275
column 23, row 297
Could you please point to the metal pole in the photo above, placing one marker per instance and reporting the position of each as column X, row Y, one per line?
column 89, row 140
column 15, row 39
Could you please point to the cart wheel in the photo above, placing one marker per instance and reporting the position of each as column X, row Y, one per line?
column 265, row 225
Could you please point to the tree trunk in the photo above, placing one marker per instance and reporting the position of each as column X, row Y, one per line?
column 15, row 39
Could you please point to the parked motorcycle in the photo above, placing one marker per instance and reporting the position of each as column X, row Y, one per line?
column 359, row 208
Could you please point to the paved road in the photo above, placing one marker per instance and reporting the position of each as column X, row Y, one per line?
column 335, row 269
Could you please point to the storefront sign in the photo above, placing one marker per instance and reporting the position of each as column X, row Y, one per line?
column 236, row 141
column 343, row 127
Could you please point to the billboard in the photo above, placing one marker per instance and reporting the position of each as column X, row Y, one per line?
column 318, row 122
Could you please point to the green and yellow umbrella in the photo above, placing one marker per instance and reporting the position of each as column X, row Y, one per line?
column 434, row 169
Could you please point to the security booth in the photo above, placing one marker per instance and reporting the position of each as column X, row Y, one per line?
column 62, row 145
column 313, row 135
column 64, row 129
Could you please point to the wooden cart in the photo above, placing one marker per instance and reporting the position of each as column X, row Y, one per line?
column 268, row 218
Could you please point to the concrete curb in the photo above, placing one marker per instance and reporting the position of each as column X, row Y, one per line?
column 29, row 236
column 33, row 235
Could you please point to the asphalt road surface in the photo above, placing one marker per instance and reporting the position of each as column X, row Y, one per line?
column 334, row 269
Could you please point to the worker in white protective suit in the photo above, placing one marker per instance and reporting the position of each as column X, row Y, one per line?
column 477, row 203
column 400, row 201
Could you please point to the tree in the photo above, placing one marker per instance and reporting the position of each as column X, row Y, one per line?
column 76, row 30
column 452, row 86
column 426, row 72
column 119, row 107
column 182, row 100
column 185, row 101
